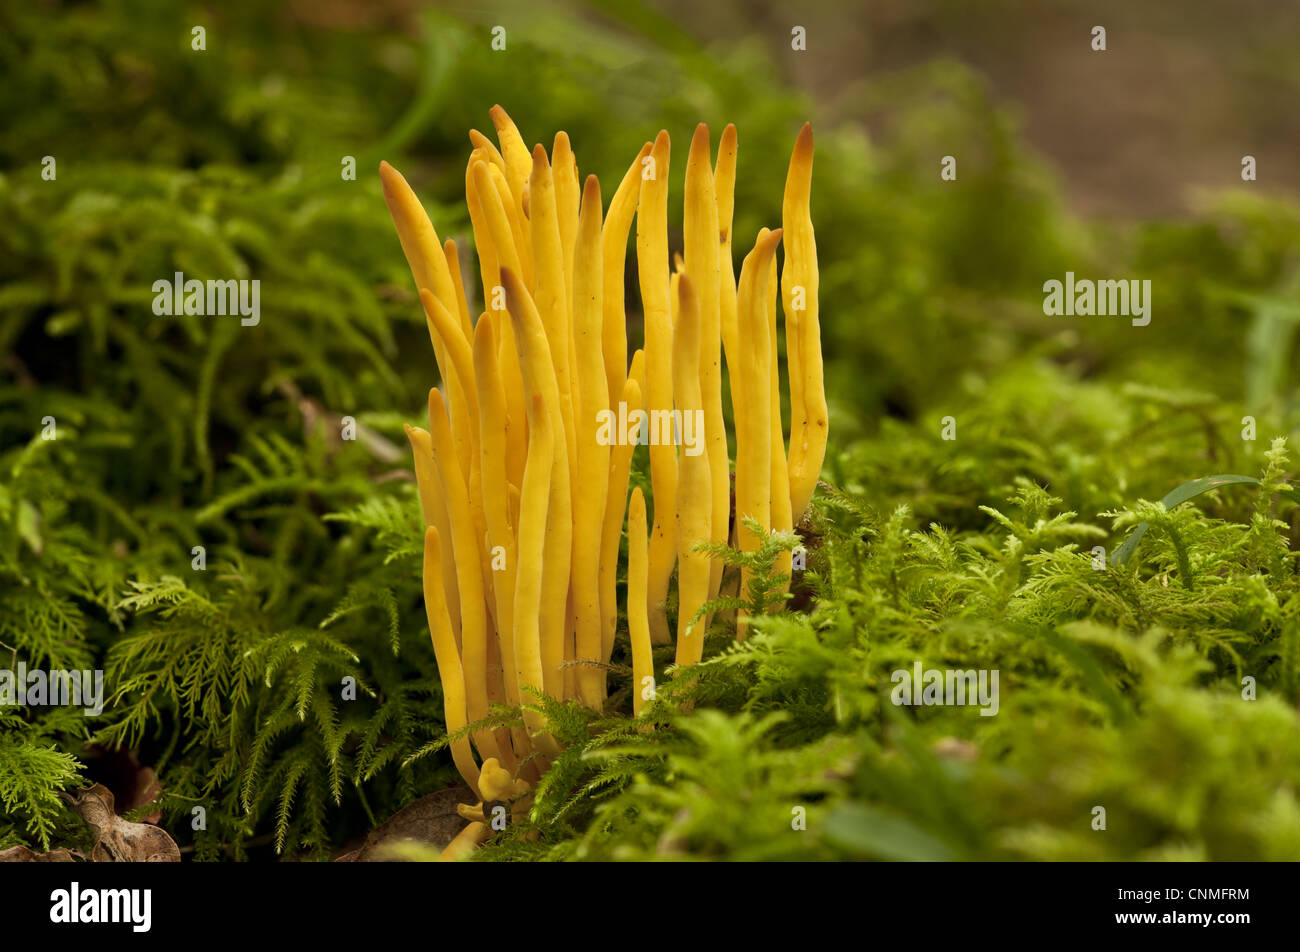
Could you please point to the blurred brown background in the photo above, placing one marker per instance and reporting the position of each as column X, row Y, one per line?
column 1183, row 91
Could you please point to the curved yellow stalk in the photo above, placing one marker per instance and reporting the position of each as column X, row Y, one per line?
column 620, row 468
column 445, row 326
column 652, row 272
column 518, row 224
column 529, row 588
column 564, row 167
column 452, row 257
column 638, row 622
column 428, row 265
column 433, row 508
column 495, row 218
column 419, row 239
column 469, row 578
column 780, row 478
column 489, row 265
column 590, row 406
column 444, row 650
column 636, row 370
column 694, row 498
column 613, row 253
column 808, row 416
column 552, row 293
column 490, row 226
column 502, row 550
column 478, row 140
column 518, row 162
column 700, row 234
column 724, row 184
column 539, row 378
column 754, row 427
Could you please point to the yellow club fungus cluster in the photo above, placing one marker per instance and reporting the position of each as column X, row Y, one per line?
column 523, row 483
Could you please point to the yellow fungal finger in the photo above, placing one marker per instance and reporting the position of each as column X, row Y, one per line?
column 416, row 233
column 469, row 578
column 449, row 666
column 513, row 151
column 799, row 280
column 656, row 306
column 494, row 217
column 638, row 622
column 446, row 327
column 489, row 265
column 486, row 220
column 694, row 496
column 613, row 253
column 479, row 141
column 620, row 468
column 552, row 294
column 496, row 692
column 518, row 223
column 724, row 183
column 700, row 233
column 428, row 265
column 636, row 370
column 754, row 429
column 590, row 407
column 452, row 257
column 534, row 503
column 780, row 478
column 539, row 378
column 564, row 166
column 502, row 553
column 433, row 507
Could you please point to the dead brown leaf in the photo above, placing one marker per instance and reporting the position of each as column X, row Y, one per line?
column 118, row 840
column 21, row 854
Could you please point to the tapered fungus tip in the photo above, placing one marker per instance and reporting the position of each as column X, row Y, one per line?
column 484, row 333
column 729, row 134
column 499, row 116
column 591, row 189
column 391, row 179
column 662, row 141
column 539, row 154
column 700, row 140
column 513, row 289
column 561, row 142
column 685, row 291
column 803, row 146
column 765, row 244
